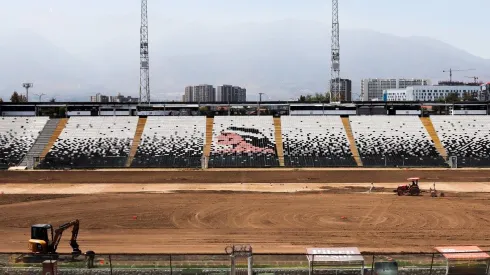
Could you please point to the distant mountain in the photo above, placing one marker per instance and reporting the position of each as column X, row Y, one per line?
column 279, row 58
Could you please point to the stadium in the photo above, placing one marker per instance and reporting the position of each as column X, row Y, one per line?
column 150, row 182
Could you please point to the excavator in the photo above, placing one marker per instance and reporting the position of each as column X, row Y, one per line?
column 44, row 241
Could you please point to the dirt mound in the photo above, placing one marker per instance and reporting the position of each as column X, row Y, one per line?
column 10, row 199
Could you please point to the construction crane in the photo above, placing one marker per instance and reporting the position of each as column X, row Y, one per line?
column 450, row 71
column 475, row 78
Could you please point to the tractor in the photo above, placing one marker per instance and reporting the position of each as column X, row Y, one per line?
column 411, row 189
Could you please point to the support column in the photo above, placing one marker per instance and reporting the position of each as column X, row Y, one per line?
column 250, row 265
column 232, row 271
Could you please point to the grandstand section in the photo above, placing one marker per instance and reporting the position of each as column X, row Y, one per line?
column 17, row 135
column 315, row 141
column 394, row 141
column 243, row 142
column 465, row 137
column 171, row 142
column 92, row 142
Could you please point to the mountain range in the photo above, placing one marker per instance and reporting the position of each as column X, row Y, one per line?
column 282, row 59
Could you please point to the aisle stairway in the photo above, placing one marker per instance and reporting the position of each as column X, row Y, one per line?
column 136, row 140
column 41, row 142
column 352, row 141
column 433, row 135
column 209, row 136
column 278, row 137
column 56, row 133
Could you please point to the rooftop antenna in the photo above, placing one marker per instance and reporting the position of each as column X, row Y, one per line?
column 144, row 57
column 335, row 56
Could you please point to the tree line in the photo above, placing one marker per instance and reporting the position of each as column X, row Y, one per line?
column 21, row 98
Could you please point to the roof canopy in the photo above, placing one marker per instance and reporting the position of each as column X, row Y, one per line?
column 336, row 254
column 463, row 253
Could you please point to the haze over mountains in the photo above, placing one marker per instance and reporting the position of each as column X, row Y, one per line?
column 281, row 58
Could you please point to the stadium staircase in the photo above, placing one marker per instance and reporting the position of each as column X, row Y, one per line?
column 41, row 142
column 352, row 141
column 136, row 140
column 433, row 135
column 209, row 136
column 54, row 136
column 278, row 137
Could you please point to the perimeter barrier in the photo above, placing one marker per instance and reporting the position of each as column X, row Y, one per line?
column 263, row 264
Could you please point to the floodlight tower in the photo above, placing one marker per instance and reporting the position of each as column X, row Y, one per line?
column 144, row 57
column 335, row 56
column 27, row 86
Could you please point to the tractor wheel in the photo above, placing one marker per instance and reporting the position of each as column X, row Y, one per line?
column 414, row 191
column 399, row 192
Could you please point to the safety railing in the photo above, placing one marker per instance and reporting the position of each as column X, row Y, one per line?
column 284, row 264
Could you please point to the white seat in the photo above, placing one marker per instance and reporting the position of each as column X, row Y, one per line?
column 402, row 138
column 17, row 135
column 94, row 137
column 464, row 136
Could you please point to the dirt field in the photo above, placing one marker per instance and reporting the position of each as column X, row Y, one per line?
column 275, row 210
column 247, row 176
column 271, row 222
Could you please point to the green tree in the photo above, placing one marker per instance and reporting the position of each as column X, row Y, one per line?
column 22, row 98
column 52, row 100
column 452, row 97
column 62, row 112
column 317, row 97
column 15, row 97
column 469, row 97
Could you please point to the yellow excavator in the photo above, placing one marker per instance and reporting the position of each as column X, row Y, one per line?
column 45, row 240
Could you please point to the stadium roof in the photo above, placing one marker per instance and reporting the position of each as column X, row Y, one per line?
column 463, row 253
column 336, row 254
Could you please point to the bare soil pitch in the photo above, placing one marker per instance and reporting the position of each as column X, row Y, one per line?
column 246, row 176
column 207, row 222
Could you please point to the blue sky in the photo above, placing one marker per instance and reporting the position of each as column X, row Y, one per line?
column 78, row 24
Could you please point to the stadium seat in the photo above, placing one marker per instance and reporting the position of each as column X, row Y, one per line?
column 17, row 135
column 394, row 141
column 315, row 141
column 171, row 142
column 92, row 142
column 465, row 137
column 243, row 142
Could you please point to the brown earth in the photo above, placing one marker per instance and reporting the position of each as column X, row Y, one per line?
column 247, row 176
column 271, row 222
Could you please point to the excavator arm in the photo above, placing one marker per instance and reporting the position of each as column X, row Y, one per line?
column 74, row 235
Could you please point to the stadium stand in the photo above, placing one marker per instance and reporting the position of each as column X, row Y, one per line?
column 315, row 141
column 465, row 137
column 17, row 135
column 92, row 142
column 394, row 141
column 243, row 142
column 171, row 142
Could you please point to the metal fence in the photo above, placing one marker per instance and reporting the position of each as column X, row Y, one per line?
column 192, row 162
column 284, row 264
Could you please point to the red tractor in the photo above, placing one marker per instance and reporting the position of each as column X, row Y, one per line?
column 411, row 189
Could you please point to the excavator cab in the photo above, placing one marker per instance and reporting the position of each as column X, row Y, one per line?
column 45, row 239
column 41, row 238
